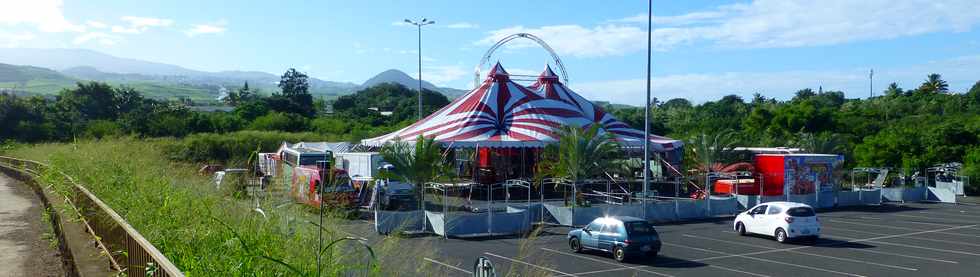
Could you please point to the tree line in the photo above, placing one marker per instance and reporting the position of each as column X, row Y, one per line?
column 96, row 110
column 904, row 129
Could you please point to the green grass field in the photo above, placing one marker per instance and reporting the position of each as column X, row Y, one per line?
column 195, row 225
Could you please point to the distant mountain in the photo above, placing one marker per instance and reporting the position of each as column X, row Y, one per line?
column 399, row 77
column 29, row 79
column 93, row 65
column 60, row 59
column 83, row 64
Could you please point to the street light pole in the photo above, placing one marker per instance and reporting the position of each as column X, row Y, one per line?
column 646, row 107
column 419, row 24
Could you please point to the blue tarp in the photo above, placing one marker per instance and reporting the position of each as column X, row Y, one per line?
column 690, row 209
column 849, row 198
column 387, row 222
column 723, row 206
column 871, row 196
column 661, row 211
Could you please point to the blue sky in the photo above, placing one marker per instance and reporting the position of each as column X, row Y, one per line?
column 702, row 49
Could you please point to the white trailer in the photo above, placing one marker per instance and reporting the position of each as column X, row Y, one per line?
column 361, row 165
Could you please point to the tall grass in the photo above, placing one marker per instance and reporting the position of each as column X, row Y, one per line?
column 235, row 147
column 204, row 232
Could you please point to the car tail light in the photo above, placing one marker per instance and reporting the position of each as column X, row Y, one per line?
column 627, row 242
column 789, row 219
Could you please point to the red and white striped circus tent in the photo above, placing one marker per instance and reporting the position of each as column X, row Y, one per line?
column 502, row 113
column 549, row 86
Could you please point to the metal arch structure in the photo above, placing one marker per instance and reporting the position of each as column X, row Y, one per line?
column 505, row 40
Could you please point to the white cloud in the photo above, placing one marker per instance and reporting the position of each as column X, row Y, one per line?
column 14, row 39
column 125, row 30
column 576, row 40
column 442, row 75
column 959, row 72
column 463, row 25
column 700, row 17
column 140, row 24
column 202, row 29
column 45, row 15
column 760, row 24
column 96, row 24
column 98, row 37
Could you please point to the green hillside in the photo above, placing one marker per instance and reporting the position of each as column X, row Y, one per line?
column 33, row 80
column 30, row 80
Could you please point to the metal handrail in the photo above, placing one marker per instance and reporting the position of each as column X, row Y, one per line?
column 129, row 251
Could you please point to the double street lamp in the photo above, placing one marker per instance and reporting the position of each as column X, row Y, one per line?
column 419, row 24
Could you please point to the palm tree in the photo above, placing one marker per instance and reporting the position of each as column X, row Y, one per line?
column 825, row 143
column 416, row 164
column 894, row 90
column 580, row 154
column 934, row 83
column 708, row 149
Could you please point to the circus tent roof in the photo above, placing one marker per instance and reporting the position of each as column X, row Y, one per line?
column 502, row 113
column 549, row 86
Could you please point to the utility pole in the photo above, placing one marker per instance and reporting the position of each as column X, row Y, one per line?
column 871, row 82
column 646, row 107
column 419, row 24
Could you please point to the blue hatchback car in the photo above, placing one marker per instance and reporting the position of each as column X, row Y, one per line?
column 622, row 236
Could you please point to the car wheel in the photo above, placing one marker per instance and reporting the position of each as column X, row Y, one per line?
column 575, row 244
column 781, row 235
column 740, row 229
column 619, row 254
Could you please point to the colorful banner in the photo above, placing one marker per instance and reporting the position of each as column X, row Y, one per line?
column 804, row 174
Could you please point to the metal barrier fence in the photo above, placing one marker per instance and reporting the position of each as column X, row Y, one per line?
column 129, row 252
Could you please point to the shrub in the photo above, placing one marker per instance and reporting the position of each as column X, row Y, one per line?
column 103, row 128
column 971, row 168
column 286, row 122
column 236, row 146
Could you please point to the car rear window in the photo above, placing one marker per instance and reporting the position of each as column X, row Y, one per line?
column 801, row 211
column 640, row 228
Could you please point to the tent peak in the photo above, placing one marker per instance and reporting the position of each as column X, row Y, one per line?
column 498, row 70
column 548, row 74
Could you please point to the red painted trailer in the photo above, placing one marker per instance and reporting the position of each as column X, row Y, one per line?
column 796, row 173
column 776, row 173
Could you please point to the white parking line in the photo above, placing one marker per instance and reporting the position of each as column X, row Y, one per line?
column 960, row 213
column 634, row 267
column 744, row 256
column 922, row 217
column 899, row 215
column 805, row 253
column 533, row 265
column 447, row 265
column 900, row 228
column 606, row 262
column 909, row 246
column 903, row 255
column 849, row 241
column 922, row 239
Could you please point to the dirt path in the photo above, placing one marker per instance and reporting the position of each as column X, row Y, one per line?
column 25, row 237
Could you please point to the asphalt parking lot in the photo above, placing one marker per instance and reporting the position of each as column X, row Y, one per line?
column 913, row 239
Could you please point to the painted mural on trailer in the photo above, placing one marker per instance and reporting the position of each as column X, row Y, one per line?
column 804, row 174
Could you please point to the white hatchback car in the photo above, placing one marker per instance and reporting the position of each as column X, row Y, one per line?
column 782, row 220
